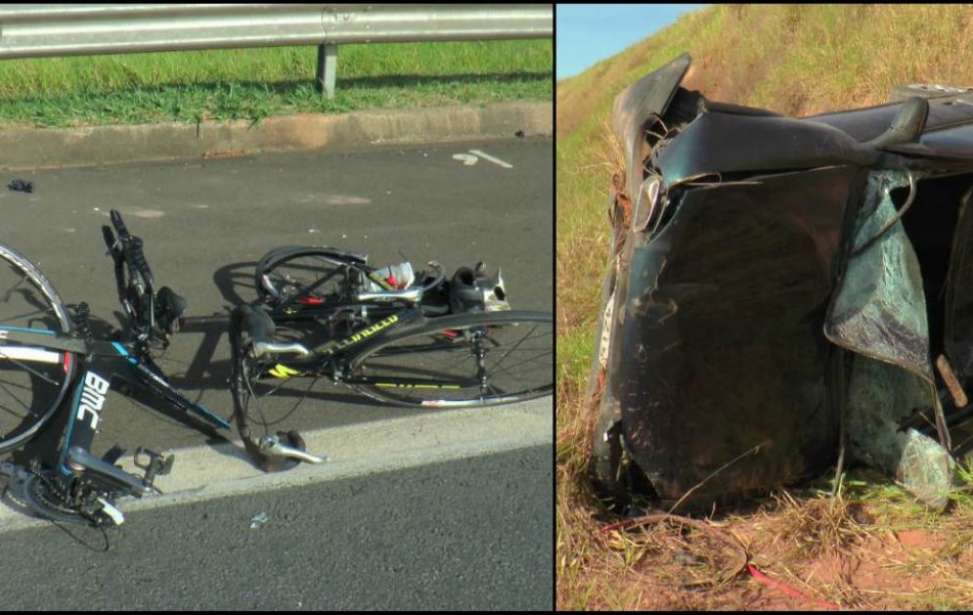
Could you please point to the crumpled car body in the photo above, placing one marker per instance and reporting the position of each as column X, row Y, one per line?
column 779, row 294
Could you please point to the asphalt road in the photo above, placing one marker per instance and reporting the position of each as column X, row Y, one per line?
column 470, row 533
column 467, row 535
column 206, row 223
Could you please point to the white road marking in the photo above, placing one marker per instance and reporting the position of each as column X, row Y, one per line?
column 211, row 472
column 496, row 161
column 466, row 159
column 148, row 214
column 345, row 199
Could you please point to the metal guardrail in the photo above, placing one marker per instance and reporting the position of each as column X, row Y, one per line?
column 47, row 30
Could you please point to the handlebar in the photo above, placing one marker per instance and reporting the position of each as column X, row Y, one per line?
column 128, row 246
column 153, row 316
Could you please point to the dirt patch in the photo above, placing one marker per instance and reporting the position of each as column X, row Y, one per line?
column 225, row 153
column 919, row 539
column 813, row 553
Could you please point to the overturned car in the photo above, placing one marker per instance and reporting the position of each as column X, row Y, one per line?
column 783, row 296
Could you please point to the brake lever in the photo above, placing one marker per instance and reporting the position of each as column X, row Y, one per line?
column 272, row 445
column 110, row 239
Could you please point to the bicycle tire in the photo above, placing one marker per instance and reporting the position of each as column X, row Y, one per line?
column 27, row 418
column 279, row 263
column 251, row 421
column 429, row 366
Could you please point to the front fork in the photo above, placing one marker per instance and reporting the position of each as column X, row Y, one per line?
column 480, row 354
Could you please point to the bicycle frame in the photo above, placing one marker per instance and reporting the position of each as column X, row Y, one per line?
column 301, row 304
column 332, row 357
column 333, row 354
column 101, row 366
column 382, row 313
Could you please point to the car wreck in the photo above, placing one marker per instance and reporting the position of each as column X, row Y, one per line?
column 783, row 296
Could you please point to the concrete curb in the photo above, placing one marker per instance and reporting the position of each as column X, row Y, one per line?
column 212, row 472
column 32, row 148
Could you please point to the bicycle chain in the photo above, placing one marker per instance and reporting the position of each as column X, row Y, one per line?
column 19, row 474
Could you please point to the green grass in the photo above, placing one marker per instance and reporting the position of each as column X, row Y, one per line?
column 255, row 83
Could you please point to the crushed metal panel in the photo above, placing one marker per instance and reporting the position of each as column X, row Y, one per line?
column 867, row 123
column 717, row 347
column 720, row 376
column 726, row 143
column 955, row 141
column 646, row 98
column 959, row 293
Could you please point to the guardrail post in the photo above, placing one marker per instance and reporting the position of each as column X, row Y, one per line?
column 327, row 69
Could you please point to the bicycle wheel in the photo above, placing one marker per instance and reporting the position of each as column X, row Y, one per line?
column 33, row 380
column 469, row 360
column 263, row 396
column 316, row 276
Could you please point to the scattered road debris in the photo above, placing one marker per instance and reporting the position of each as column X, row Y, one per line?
column 258, row 520
column 20, row 185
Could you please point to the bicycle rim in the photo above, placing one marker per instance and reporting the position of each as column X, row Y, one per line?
column 471, row 360
column 33, row 380
column 286, row 274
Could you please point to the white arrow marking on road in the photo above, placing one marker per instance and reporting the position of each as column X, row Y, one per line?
column 466, row 158
column 496, row 161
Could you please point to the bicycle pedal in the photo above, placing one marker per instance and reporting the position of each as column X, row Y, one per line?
column 157, row 465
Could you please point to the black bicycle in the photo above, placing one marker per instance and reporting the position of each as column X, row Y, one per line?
column 54, row 379
column 389, row 333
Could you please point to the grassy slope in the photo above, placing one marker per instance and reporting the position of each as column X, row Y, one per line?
column 792, row 59
column 254, row 83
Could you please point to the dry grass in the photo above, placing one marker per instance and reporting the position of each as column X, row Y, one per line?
column 860, row 552
column 873, row 547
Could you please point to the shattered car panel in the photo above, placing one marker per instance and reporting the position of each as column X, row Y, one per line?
column 705, row 269
column 776, row 293
column 648, row 98
column 711, row 144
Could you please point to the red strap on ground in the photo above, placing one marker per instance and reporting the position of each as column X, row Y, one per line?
column 787, row 589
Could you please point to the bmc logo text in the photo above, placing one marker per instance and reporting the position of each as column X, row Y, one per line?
column 92, row 397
